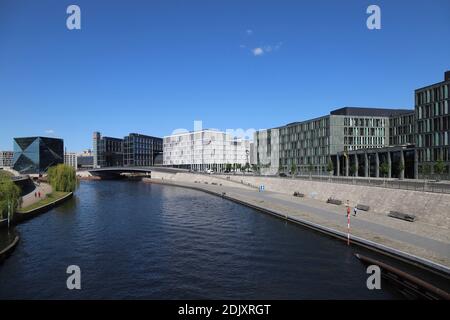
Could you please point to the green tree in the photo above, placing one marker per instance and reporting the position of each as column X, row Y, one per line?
column 62, row 178
column 228, row 167
column 384, row 169
column 439, row 167
column 293, row 169
column 9, row 196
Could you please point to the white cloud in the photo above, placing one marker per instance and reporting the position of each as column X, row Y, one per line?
column 258, row 51
column 49, row 131
column 249, row 32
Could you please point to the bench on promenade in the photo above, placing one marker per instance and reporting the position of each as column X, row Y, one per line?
column 402, row 216
column 298, row 194
column 362, row 207
column 334, row 201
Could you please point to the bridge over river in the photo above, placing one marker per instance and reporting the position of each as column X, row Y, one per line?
column 117, row 172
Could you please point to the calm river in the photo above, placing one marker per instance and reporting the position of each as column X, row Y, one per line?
column 138, row 240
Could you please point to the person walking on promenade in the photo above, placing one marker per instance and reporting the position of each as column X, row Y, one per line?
column 39, row 194
column 348, row 210
column 355, row 210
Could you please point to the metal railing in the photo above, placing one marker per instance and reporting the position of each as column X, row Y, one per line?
column 405, row 184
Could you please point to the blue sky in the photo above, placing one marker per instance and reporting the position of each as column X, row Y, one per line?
column 154, row 66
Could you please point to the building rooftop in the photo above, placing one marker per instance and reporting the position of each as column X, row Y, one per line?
column 370, row 112
column 446, row 79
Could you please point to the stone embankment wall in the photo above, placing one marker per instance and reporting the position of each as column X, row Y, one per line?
column 429, row 208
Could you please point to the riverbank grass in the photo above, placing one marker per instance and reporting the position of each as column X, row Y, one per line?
column 52, row 197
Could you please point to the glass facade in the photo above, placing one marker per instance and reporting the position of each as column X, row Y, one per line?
column 37, row 154
column 110, row 152
column 134, row 150
column 310, row 144
column 402, row 129
column 141, row 150
column 433, row 123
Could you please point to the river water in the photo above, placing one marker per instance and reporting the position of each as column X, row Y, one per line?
column 134, row 240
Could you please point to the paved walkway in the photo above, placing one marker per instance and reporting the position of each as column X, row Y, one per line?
column 425, row 241
column 30, row 198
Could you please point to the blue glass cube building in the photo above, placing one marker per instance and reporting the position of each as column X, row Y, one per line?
column 37, row 154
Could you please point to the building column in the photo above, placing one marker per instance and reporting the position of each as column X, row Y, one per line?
column 389, row 164
column 338, row 165
column 366, row 165
column 402, row 163
column 416, row 164
column 356, row 165
column 346, row 165
column 377, row 165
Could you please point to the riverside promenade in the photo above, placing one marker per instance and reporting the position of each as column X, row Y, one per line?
column 30, row 198
column 427, row 242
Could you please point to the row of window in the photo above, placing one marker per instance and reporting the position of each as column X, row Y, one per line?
column 365, row 122
column 433, row 139
column 432, row 110
column 434, row 154
column 433, row 125
column 433, row 94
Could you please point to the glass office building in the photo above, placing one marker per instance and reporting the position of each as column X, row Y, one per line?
column 134, row 150
column 141, row 150
column 37, row 154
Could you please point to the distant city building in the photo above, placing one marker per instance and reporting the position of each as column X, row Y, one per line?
column 6, row 159
column 70, row 159
column 433, row 123
column 85, row 160
column 85, row 153
column 108, row 151
column 133, row 150
column 205, row 149
column 141, row 150
column 37, row 154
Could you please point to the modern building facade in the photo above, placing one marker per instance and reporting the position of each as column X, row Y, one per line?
column 37, row 154
column 6, row 159
column 141, row 150
column 205, row 149
column 368, row 142
column 108, row 151
column 433, row 123
column 308, row 145
column 85, row 160
column 133, row 150
column 70, row 159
